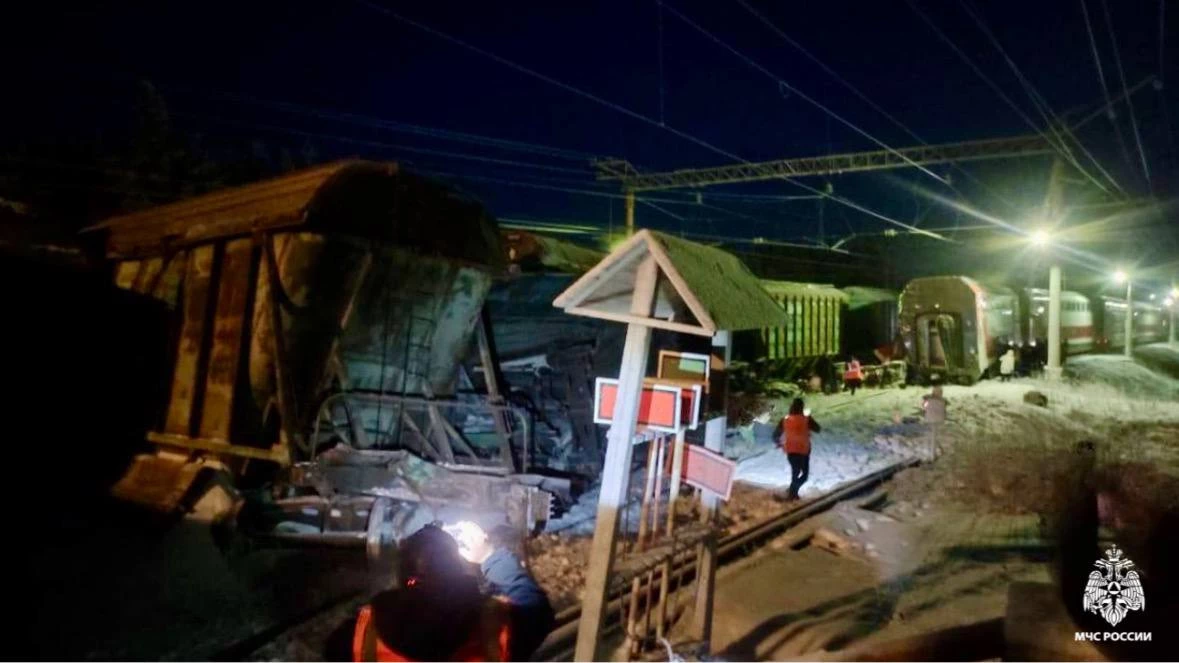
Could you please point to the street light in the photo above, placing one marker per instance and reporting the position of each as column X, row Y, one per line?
column 1042, row 240
column 1119, row 277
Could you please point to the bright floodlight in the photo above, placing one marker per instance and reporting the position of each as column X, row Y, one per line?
column 1175, row 293
column 1119, row 276
column 1168, row 301
column 1040, row 238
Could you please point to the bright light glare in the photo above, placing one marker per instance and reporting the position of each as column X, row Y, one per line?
column 1119, row 276
column 470, row 537
column 1168, row 301
column 1041, row 238
column 1174, row 293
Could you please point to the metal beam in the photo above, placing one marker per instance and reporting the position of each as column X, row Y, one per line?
column 996, row 148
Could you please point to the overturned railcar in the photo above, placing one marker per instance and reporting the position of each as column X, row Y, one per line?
column 954, row 326
column 327, row 309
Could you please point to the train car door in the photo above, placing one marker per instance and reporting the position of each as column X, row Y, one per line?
column 939, row 340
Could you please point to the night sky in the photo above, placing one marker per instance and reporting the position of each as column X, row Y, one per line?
column 350, row 78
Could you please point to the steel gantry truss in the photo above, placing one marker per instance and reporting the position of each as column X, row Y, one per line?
column 633, row 181
column 832, row 164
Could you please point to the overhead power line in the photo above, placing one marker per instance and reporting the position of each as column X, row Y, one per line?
column 1109, row 104
column 755, row 65
column 393, row 125
column 614, row 106
column 1051, row 120
column 863, row 97
column 380, row 144
column 1129, row 102
column 1061, row 148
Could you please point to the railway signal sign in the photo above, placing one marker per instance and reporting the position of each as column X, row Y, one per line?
column 684, row 366
column 662, row 407
column 709, row 470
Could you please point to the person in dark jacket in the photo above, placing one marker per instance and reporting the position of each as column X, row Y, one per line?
column 796, row 429
column 460, row 597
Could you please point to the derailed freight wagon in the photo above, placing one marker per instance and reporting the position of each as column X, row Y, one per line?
column 954, row 327
column 321, row 318
column 870, row 326
column 807, row 343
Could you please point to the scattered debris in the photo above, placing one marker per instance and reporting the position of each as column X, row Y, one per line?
column 830, row 541
column 1035, row 398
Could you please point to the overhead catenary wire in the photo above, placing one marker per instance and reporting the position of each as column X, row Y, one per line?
column 1060, row 148
column 372, row 143
column 393, row 125
column 1051, row 119
column 563, row 189
column 863, row 97
column 335, row 137
column 1110, row 112
column 614, row 106
column 1129, row 101
column 814, row 102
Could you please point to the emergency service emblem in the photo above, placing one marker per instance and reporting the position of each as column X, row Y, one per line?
column 1115, row 589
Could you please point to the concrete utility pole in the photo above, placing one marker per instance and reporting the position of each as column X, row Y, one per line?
column 1173, row 303
column 1171, row 326
column 1054, row 212
column 1053, row 370
column 1129, row 319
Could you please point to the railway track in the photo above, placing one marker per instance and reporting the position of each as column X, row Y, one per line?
column 559, row 645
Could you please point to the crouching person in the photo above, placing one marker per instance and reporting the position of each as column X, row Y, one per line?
column 440, row 612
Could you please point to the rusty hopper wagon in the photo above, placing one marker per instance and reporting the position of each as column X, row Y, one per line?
column 321, row 319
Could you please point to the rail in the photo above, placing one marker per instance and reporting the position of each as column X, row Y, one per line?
column 559, row 644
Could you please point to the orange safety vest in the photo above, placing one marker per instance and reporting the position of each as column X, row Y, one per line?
column 489, row 642
column 853, row 372
column 797, row 428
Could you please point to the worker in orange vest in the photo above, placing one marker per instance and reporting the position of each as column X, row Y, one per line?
column 439, row 612
column 796, row 430
column 853, row 376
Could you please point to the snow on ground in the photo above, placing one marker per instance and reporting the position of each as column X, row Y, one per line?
column 997, row 449
column 834, row 460
column 1126, row 375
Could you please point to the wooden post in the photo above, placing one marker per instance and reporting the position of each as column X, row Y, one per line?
column 616, row 471
column 632, row 619
column 714, row 440
column 677, row 468
column 677, row 464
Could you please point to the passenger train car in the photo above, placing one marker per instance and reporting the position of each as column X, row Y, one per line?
column 954, row 327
